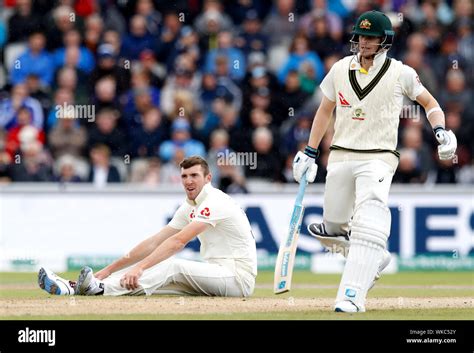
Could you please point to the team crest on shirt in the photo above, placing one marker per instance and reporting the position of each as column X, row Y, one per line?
column 205, row 212
column 365, row 24
column 344, row 103
column 358, row 114
column 191, row 215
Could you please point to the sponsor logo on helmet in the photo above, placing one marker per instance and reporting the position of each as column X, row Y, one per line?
column 365, row 24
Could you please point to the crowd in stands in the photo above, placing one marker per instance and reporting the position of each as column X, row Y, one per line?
column 121, row 91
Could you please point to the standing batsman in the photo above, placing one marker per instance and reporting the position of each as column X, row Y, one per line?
column 227, row 247
column 367, row 90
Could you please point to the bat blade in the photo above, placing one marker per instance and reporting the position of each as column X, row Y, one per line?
column 287, row 252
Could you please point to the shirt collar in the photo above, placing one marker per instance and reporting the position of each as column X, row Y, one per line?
column 202, row 195
column 378, row 62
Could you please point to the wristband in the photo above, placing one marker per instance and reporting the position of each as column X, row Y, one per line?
column 432, row 110
column 311, row 152
column 437, row 128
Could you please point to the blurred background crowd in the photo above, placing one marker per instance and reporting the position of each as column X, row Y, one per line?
column 161, row 80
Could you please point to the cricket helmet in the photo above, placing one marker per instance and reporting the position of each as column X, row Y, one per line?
column 375, row 24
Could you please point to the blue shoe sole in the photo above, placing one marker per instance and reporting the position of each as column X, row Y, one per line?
column 47, row 283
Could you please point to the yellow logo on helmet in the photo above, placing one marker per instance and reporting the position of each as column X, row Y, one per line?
column 365, row 24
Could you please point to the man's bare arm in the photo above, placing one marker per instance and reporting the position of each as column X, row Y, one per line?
column 139, row 252
column 321, row 122
column 428, row 102
column 446, row 139
column 168, row 248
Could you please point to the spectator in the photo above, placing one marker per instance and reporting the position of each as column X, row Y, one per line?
column 38, row 92
column 425, row 72
column 66, row 170
column 73, row 53
column 67, row 138
column 235, row 57
column 138, row 38
column 93, row 31
column 107, row 66
column 24, row 130
column 141, row 80
column 62, row 97
column 268, row 161
column 36, row 60
column 106, row 132
column 251, row 38
column 62, row 20
column 282, row 23
column 19, row 98
column 290, row 98
column 35, row 163
column 187, row 45
column 298, row 132
column 299, row 54
column 106, row 93
column 155, row 71
column 169, row 36
column 23, row 22
column 147, row 139
column 146, row 171
column 332, row 20
column 259, row 98
column 320, row 38
column 182, row 80
column 407, row 171
column 417, row 156
column 181, row 139
column 455, row 90
column 212, row 19
column 171, row 171
column 102, row 172
column 153, row 18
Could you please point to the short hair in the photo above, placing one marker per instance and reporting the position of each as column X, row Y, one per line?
column 195, row 160
column 102, row 148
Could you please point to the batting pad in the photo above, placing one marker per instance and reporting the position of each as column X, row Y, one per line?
column 369, row 234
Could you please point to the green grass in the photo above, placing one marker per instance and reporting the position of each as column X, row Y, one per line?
column 11, row 288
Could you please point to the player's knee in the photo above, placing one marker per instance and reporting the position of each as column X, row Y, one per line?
column 371, row 223
column 177, row 266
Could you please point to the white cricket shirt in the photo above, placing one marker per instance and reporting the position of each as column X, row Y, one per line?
column 229, row 241
column 368, row 105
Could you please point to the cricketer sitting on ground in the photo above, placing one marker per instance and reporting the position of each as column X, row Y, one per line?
column 367, row 90
column 227, row 247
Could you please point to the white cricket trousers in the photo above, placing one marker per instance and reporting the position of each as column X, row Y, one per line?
column 184, row 277
column 348, row 184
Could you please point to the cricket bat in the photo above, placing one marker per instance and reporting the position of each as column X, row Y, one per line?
column 286, row 254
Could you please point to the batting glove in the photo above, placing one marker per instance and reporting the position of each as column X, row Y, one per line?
column 305, row 162
column 448, row 143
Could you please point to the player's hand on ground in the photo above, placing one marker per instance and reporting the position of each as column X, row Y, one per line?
column 448, row 144
column 102, row 274
column 130, row 279
column 304, row 164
